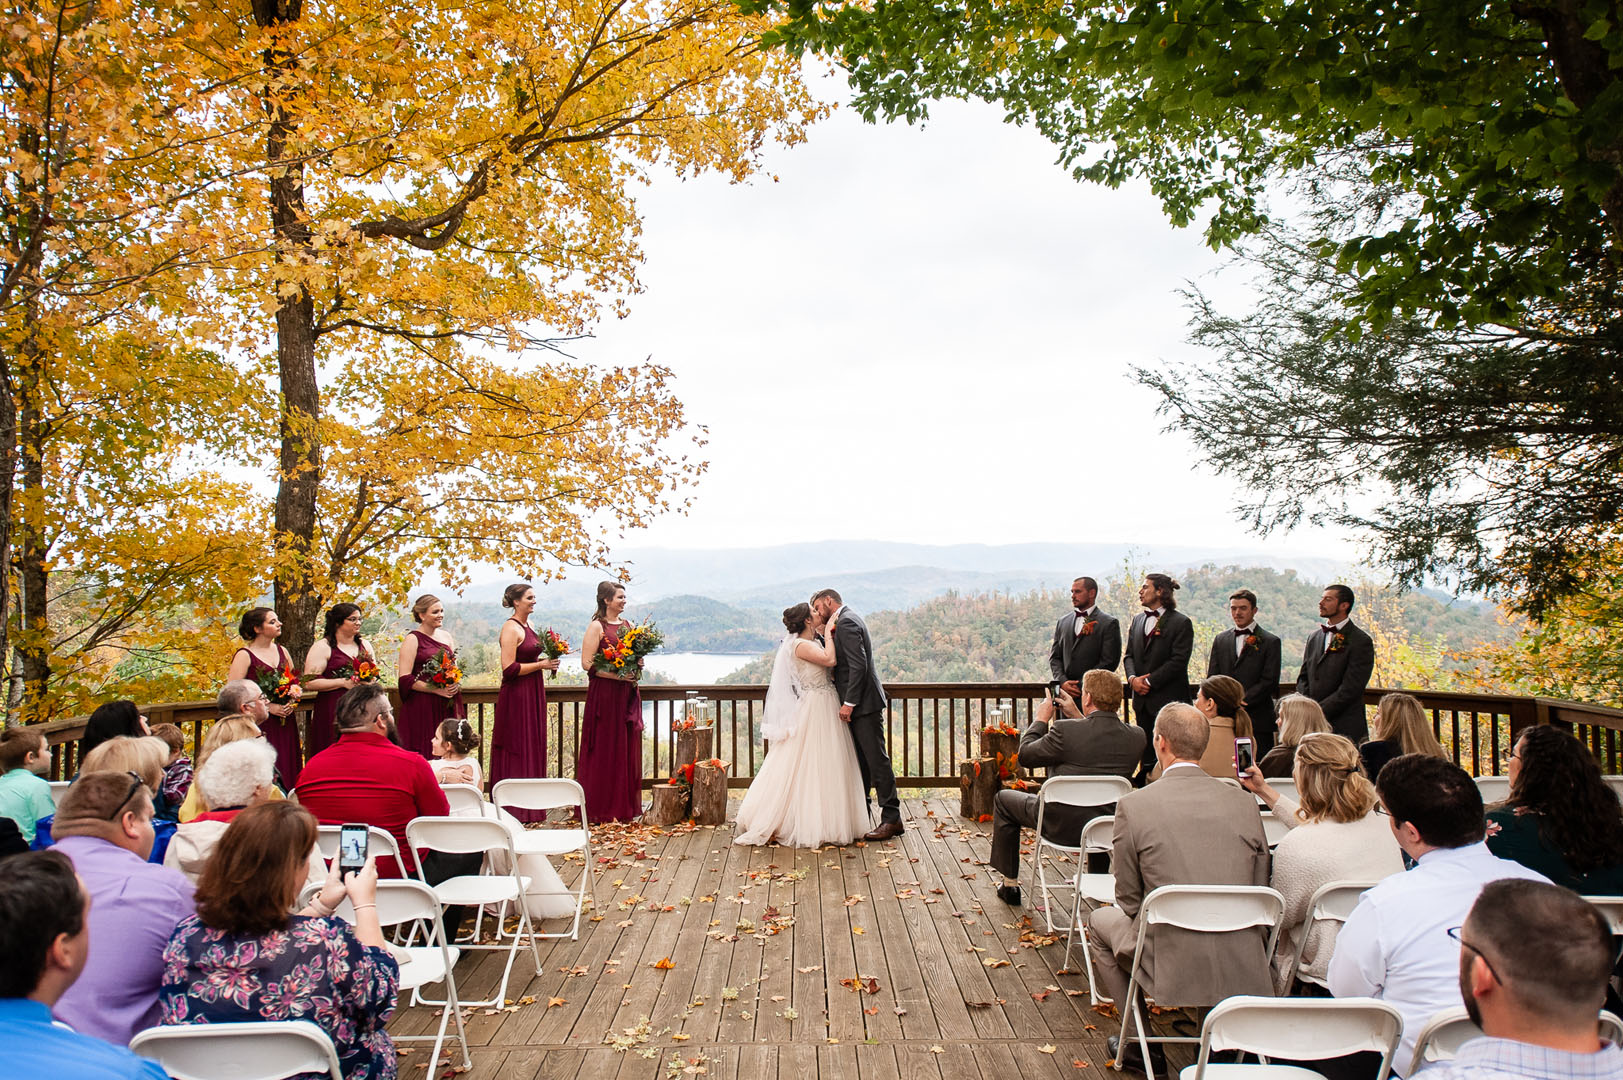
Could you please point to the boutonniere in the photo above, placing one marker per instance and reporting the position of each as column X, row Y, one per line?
column 1089, row 627
column 1250, row 643
column 1153, row 634
column 1337, row 643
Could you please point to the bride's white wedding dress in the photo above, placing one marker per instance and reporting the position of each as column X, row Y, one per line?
column 808, row 791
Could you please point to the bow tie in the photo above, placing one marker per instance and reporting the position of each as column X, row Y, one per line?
column 1328, row 629
column 1081, row 614
column 1243, row 633
column 1151, row 613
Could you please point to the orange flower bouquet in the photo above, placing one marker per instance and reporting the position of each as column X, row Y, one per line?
column 625, row 657
column 280, row 686
column 441, row 670
column 364, row 669
column 553, row 645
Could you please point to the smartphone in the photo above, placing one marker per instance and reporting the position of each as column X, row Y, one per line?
column 1244, row 758
column 353, row 841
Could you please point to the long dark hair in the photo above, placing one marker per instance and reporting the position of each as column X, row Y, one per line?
column 337, row 615
column 1578, row 812
column 1164, row 588
column 110, row 720
column 605, row 593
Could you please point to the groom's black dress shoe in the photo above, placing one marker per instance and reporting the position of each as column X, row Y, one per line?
column 1009, row 894
column 887, row 831
column 1133, row 1058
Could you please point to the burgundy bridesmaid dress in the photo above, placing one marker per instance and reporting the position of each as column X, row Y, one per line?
column 322, row 731
column 420, row 714
column 282, row 732
column 518, row 741
column 609, row 766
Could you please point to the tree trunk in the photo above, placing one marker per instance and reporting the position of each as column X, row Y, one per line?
column 670, row 805
column 297, row 599
column 694, row 745
column 33, row 642
column 710, row 793
column 978, row 784
column 994, row 742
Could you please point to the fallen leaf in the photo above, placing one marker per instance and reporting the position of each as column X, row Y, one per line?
column 664, row 964
column 937, row 1050
column 995, row 961
column 872, row 1010
column 1078, row 1063
column 858, row 930
column 553, row 1003
column 1047, row 1048
column 814, row 967
column 681, row 1036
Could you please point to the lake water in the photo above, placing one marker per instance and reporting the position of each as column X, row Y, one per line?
column 689, row 668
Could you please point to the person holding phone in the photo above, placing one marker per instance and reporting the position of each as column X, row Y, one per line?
column 243, row 958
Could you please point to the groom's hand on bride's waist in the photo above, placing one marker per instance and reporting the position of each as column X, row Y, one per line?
column 845, row 713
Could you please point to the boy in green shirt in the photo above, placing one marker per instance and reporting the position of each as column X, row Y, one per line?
column 25, row 797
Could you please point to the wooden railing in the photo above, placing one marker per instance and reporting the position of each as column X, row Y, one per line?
column 932, row 727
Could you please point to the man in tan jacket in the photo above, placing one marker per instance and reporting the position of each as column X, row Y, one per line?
column 1187, row 828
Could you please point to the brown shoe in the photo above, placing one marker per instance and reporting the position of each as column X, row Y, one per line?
column 887, row 831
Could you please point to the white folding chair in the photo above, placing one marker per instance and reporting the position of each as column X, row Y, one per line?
column 551, row 794
column 1273, row 828
column 403, row 901
column 1612, row 908
column 1068, row 791
column 58, row 788
column 466, row 801
column 455, row 835
column 1616, row 783
column 258, row 1050
column 1297, row 1029
column 1332, row 902
column 1447, row 1031
column 1206, row 909
column 1285, row 785
column 1098, row 837
column 379, row 843
column 1494, row 789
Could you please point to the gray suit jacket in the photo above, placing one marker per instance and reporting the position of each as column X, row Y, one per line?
column 1074, row 655
column 1098, row 744
column 1188, row 828
column 856, row 675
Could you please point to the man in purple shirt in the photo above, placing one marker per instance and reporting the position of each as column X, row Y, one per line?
column 104, row 824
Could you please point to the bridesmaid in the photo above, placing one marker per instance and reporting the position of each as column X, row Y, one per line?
column 423, row 706
column 609, row 766
column 339, row 649
column 260, row 628
column 518, row 742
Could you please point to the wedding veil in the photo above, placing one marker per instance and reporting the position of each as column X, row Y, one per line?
column 782, row 694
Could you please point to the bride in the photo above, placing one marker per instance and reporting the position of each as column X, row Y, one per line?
column 808, row 791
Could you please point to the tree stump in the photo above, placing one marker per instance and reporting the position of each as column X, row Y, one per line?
column 994, row 742
column 710, row 792
column 979, row 783
column 670, row 805
column 694, row 745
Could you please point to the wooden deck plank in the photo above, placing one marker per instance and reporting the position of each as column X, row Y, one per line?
column 844, row 1011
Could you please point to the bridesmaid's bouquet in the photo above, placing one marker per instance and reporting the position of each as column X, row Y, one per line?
column 553, row 645
column 625, row 658
column 364, row 669
column 279, row 686
column 441, row 670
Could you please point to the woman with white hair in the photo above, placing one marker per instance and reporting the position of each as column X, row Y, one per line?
column 235, row 776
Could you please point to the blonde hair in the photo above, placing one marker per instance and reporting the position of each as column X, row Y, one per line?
column 1401, row 718
column 227, row 729
column 142, row 755
column 1104, row 687
column 1330, row 782
column 1299, row 716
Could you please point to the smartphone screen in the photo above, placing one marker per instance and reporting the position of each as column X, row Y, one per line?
column 352, row 846
column 1243, row 757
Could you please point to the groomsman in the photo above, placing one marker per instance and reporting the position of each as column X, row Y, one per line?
column 1337, row 663
column 1250, row 654
column 1157, row 665
column 1085, row 640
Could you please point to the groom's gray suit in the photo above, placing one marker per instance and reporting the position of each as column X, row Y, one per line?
column 856, row 678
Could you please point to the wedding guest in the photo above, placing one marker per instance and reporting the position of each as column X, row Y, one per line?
column 104, row 824
column 1158, row 647
column 45, row 941
column 1085, row 640
column 226, row 730
column 1395, row 944
column 243, row 958
column 144, row 757
column 366, row 777
column 177, row 775
column 1400, row 728
column 110, row 720
column 1534, row 961
column 1335, row 835
column 518, row 740
column 1250, row 654
column 609, row 765
column 1187, row 828
column 1337, row 663
column 330, row 668
column 242, row 697
column 25, row 797
column 453, row 752
column 266, row 664
column 1090, row 741
column 239, row 775
column 1299, row 717
column 1562, row 819
column 422, row 704
column 1221, row 700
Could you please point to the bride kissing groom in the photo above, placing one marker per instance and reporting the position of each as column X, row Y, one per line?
column 824, row 725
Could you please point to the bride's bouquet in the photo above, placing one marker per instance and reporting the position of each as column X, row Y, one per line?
column 624, row 658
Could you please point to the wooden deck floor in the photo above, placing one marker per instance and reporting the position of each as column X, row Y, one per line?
column 878, row 961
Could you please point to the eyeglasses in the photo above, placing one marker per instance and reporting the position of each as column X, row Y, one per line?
column 1507, row 752
column 1454, row 932
column 136, row 784
column 1383, row 811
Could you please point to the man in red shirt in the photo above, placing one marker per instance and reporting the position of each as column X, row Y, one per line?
column 366, row 777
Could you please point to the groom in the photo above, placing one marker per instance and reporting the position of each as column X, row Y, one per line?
column 862, row 705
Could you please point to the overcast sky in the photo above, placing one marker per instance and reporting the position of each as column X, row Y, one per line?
column 909, row 334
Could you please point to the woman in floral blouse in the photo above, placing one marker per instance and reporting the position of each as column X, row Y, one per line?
column 242, row 957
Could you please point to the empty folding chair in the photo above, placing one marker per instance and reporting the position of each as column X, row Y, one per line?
column 1297, row 1029
column 1495, row 789
column 1098, row 837
column 1206, row 909
column 259, row 1050
column 1331, row 904
column 554, row 793
column 1273, row 828
column 1067, row 791
column 454, row 835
